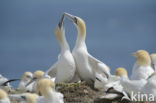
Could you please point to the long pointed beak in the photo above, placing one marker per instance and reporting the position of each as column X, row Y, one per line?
column 71, row 17
column 61, row 22
column 32, row 80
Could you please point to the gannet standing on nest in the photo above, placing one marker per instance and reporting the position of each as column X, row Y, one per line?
column 88, row 66
column 65, row 68
column 142, row 68
column 47, row 89
column 4, row 97
column 27, row 76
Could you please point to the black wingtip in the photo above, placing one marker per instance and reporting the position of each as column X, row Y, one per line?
column 11, row 80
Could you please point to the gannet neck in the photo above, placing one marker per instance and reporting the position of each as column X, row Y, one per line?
column 80, row 42
column 64, row 44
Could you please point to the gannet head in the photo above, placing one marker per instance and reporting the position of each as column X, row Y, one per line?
column 44, row 86
column 27, row 76
column 60, row 29
column 143, row 57
column 121, row 72
column 38, row 74
column 79, row 23
column 30, row 98
column 3, row 94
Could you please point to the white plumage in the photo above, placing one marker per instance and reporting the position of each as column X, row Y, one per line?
column 87, row 66
column 64, row 69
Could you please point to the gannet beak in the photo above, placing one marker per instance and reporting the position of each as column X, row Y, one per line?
column 71, row 17
column 32, row 80
column 61, row 22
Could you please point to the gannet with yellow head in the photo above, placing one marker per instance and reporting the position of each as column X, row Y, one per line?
column 121, row 72
column 4, row 97
column 27, row 76
column 129, row 86
column 64, row 69
column 88, row 66
column 46, row 88
column 39, row 74
column 142, row 68
column 113, row 88
column 24, row 97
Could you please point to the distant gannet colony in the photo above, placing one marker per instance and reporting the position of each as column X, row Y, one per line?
column 79, row 65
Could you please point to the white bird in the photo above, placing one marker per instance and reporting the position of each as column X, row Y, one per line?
column 113, row 88
column 36, row 76
column 24, row 97
column 4, row 97
column 142, row 68
column 150, row 87
column 103, row 84
column 132, row 87
column 64, row 69
column 88, row 66
column 153, row 58
column 46, row 88
column 26, row 78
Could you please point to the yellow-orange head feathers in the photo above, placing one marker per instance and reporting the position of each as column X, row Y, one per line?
column 3, row 94
column 44, row 86
column 122, row 72
column 143, row 57
column 27, row 76
column 38, row 74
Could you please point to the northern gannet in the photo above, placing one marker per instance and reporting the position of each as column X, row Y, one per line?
column 36, row 76
column 113, row 87
column 150, row 86
column 87, row 65
column 26, row 78
column 46, row 88
column 142, row 68
column 4, row 97
column 24, row 97
column 153, row 58
column 64, row 69
column 4, row 83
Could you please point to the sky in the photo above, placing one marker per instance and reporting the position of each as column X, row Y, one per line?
column 115, row 29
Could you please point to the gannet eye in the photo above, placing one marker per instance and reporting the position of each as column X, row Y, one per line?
column 75, row 20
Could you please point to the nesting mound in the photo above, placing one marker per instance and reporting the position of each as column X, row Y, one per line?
column 77, row 92
column 84, row 93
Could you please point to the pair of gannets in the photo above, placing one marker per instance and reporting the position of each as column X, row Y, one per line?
column 144, row 66
column 33, row 82
column 79, row 60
